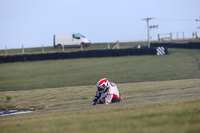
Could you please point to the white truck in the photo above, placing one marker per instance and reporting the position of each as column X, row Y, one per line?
column 70, row 40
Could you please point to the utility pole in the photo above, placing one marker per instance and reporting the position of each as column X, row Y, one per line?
column 148, row 33
column 198, row 20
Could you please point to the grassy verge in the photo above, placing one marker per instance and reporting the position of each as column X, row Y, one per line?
column 154, row 107
column 180, row 63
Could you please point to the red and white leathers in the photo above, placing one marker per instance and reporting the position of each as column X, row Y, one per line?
column 110, row 95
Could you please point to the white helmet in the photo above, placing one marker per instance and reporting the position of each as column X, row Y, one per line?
column 102, row 85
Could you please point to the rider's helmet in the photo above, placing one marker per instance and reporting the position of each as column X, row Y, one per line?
column 102, row 85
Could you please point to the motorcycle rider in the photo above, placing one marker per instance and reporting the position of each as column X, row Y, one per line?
column 107, row 92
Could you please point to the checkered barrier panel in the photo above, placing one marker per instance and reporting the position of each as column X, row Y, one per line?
column 160, row 51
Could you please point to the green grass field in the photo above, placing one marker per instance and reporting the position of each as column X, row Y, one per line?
column 180, row 63
column 62, row 92
column 153, row 107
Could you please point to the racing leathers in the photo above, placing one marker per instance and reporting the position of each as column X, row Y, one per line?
column 110, row 95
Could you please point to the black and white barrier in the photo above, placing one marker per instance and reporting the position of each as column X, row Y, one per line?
column 80, row 54
column 160, row 51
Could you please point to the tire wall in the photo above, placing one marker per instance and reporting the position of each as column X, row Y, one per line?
column 189, row 45
column 78, row 54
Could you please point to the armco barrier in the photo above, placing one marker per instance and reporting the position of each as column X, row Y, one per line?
column 189, row 45
column 79, row 54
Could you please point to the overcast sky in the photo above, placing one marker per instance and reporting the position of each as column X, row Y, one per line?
column 34, row 22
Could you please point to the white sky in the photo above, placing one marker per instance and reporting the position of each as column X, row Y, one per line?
column 34, row 22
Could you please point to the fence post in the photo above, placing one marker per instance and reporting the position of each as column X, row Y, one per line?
column 171, row 36
column 22, row 49
column 81, row 47
column 42, row 49
column 192, row 35
column 183, row 36
column 63, row 48
column 196, row 35
column 177, row 35
column 118, row 47
column 108, row 45
column 6, row 50
column 159, row 37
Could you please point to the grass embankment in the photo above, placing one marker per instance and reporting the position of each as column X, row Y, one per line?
column 180, row 63
column 153, row 107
